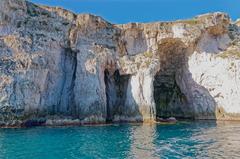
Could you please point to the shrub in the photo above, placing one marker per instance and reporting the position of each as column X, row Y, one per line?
column 148, row 54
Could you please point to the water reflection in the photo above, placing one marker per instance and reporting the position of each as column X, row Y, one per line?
column 202, row 139
column 142, row 138
column 226, row 140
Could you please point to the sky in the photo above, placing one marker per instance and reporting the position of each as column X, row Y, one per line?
column 124, row 11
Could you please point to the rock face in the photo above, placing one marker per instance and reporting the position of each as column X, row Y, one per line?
column 57, row 67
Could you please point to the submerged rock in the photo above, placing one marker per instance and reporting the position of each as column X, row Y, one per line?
column 57, row 63
column 33, row 122
column 167, row 120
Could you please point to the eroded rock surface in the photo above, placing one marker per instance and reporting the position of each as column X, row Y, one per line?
column 57, row 67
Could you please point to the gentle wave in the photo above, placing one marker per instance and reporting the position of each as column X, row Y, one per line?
column 203, row 139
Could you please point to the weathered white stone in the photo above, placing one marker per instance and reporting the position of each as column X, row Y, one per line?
column 83, row 69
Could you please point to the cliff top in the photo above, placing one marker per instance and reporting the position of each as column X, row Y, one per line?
column 237, row 22
column 27, row 6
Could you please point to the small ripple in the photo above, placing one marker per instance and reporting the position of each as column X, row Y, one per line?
column 183, row 140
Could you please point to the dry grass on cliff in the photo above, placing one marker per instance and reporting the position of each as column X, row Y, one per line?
column 230, row 54
column 148, row 54
column 188, row 21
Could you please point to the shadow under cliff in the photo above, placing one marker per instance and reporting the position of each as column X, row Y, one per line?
column 117, row 94
column 175, row 91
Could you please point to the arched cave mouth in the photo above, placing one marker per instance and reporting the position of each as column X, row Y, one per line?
column 116, row 92
column 168, row 97
column 170, row 101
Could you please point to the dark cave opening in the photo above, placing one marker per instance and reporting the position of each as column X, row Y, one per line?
column 116, row 92
column 107, row 81
column 169, row 100
column 168, row 97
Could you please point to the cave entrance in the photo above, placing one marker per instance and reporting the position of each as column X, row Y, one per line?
column 116, row 92
column 168, row 97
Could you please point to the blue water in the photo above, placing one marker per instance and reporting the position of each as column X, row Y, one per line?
column 183, row 140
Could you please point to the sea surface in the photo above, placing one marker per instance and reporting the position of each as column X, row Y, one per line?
column 202, row 139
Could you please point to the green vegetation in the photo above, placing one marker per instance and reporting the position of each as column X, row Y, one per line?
column 148, row 54
column 230, row 53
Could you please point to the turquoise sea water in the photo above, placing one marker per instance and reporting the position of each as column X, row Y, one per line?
column 205, row 139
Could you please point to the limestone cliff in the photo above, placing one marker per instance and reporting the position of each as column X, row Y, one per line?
column 57, row 67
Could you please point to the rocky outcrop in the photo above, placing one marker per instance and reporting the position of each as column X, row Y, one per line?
column 237, row 22
column 57, row 67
